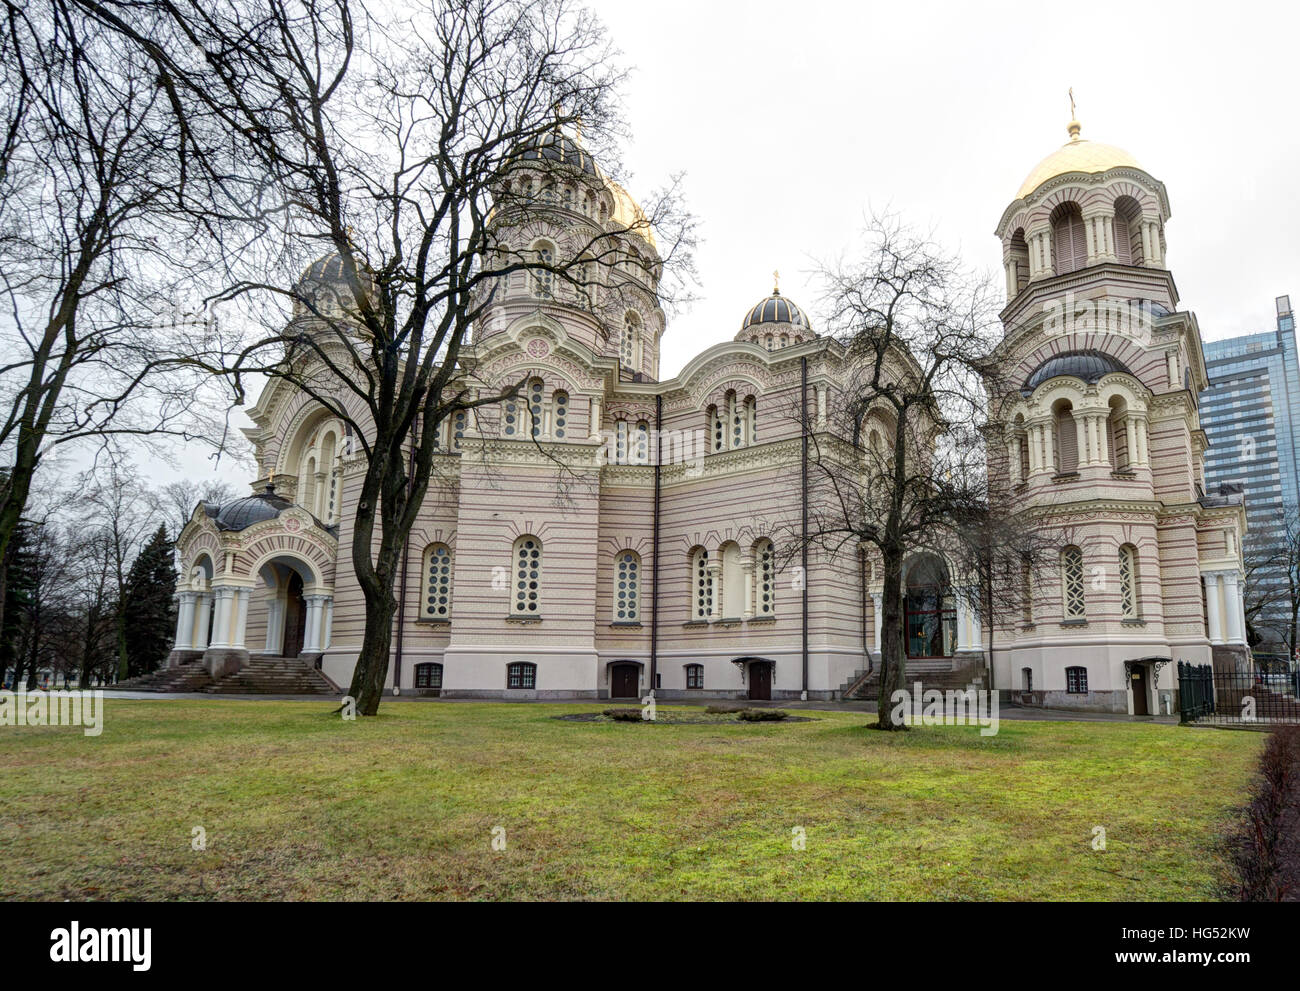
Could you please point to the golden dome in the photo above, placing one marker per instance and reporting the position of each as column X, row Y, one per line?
column 628, row 213
column 1076, row 155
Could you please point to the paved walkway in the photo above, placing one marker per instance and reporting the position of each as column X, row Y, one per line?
column 1006, row 710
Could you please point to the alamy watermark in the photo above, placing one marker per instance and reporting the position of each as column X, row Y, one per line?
column 972, row 707
column 63, row 707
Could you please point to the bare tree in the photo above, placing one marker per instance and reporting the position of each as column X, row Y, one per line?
column 91, row 246
column 175, row 501
column 389, row 146
column 901, row 467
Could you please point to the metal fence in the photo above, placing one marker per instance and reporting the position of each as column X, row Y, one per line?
column 1268, row 694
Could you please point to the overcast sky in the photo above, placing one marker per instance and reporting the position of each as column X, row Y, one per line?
column 791, row 119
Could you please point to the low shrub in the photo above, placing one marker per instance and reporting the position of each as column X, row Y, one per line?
column 723, row 710
column 625, row 715
column 1264, row 849
column 762, row 715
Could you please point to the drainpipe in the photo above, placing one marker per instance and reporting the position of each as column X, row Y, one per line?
column 654, row 576
column 803, row 470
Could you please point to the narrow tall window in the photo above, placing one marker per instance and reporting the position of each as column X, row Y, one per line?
column 641, row 443
column 543, row 278
column 765, row 578
column 1069, row 239
column 716, row 427
column 1128, row 581
column 1076, row 681
column 751, row 412
column 1072, row 582
column 695, row 676
column 561, row 400
column 457, row 429
column 437, row 582
column 703, row 598
column 1027, row 593
column 620, row 442
column 510, row 418
column 528, row 576
column 737, row 421
column 630, row 327
column 627, row 585
column 535, row 406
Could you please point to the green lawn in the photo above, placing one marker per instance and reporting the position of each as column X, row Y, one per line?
column 298, row 804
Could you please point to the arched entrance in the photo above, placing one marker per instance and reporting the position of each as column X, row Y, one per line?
column 929, row 609
column 760, row 680
column 295, row 617
column 624, row 681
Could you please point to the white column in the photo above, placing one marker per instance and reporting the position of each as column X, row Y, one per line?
column 1232, row 605
column 963, row 619
column 1131, row 437
column 202, row 620
column 274, row 616
column 1013, row 462
column 1143, row 454
column 747, row 569
column 821, row 406
column 595, row 417
column 224, row 598
column 327, row 624
column 315, row 623
column 1214, row 616
column 714, row 569
column 877, row 607
column 241, row 617
column 184, row 620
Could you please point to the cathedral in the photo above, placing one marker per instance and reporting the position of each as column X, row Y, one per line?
column 610, row 531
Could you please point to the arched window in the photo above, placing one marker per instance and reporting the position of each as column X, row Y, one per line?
column 510, row 418
column 521, row 674
column 1072, row 583
column 1117, row 434
column 1017, row 262
column 929, row 609
column 567, row 197
column 1128, row 231
column 1076, row 680
column 457, row 429
column 535, row 407
column 1128, row 570
column 751, row 418
column 1027, row 679
column 631, row 328
column 785, row 340
column 437, row 582
column 769, row 342
column 627, row 587
column 764, row 578
column 561, row 401
column 641, row 443
column 528, row 576
column 695, row 676
column 543, row 279
column 428, row 678
column 620, row 442
column 1027, row 592
column 717, row 428
column 737, row 421
column 702, row 603
column 732, row 591
column 1066, row 447
column 1069, row 240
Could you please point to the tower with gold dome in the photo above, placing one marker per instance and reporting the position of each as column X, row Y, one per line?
column 1098, row 437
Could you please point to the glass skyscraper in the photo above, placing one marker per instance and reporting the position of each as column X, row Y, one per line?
column 1251, row 415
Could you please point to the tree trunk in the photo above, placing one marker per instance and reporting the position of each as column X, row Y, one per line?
column 371, row 672
column 893, row 658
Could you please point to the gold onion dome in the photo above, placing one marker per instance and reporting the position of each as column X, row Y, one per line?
column 1076, row 155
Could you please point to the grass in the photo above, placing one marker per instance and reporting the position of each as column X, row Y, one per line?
column 297, row 804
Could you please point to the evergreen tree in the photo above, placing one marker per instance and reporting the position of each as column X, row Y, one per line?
column 147, row 606
column 18, row 589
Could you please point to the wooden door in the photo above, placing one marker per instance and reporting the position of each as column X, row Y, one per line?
column 623, row 681
column 295, row 618
column 1139, row 683
column 760, row 681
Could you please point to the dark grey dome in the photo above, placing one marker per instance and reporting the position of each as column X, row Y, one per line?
column 556, row 147
column 1086, row 365
column 776, row 309
column 328, row 271
column 243, row 513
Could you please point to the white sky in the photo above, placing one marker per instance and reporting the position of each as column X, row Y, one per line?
column 790, row 119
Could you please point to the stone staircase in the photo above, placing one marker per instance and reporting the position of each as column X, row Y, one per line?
column 939, row 674
column 189, row 677
column 274, row 676
column 261, row 676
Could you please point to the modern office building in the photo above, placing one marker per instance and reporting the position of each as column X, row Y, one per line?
column 1251, row 414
